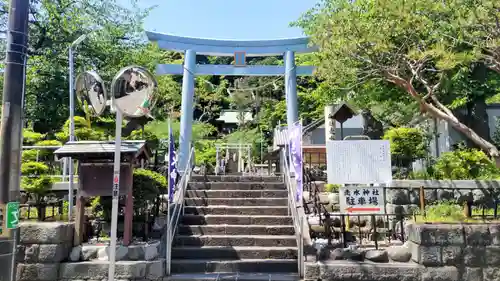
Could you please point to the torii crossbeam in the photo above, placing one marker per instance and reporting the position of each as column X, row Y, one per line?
column 240, row 50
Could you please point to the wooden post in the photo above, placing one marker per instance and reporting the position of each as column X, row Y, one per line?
column 79, row 218
column 129, row 208
column 422, row 201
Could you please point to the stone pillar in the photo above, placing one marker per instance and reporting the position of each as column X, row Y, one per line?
column 330, row 123
column 186, row 108
column 292, row 108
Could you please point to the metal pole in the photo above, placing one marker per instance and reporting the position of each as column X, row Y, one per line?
column 169, row 220
column 11, row 126
column 71, row 132
column 116, row 195
column 72, row 120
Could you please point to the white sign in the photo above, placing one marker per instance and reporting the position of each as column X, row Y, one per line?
column 362, row 199
column 358, row 162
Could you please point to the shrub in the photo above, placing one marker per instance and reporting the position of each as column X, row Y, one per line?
column 30, row 137
column 407, row 144
column 150, row 138
column 332, row 187
column 464, row 164
column 47, row 154
column 147, row 185
column 29, row 155
column 36, row 183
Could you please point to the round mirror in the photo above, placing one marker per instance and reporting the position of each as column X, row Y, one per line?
column 91, row 92
column 133, row 91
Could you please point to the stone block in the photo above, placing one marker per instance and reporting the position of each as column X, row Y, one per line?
column 312, row 271
column 89, row 252
column 495, row 234
column 46, row 233
column 46, row 253
column 121, row 253
column 368, row 271
column 473, row 274
column 397, row 196
column 452, row 255
column 151, row 251
column 99, row 270
column 436, row 234
column 53, row 253
column 477, row 234
column 491, row 274
column 155, row 269
column 445, row 273
column 75, row 254
column 37, row 272
column 399, row 253
column 474, row 256
column 429, row 255
column 492, row 255
column 20, row 253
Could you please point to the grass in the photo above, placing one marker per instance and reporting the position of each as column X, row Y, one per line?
column 450, row 212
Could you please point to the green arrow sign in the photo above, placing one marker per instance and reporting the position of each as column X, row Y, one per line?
column 12, row 215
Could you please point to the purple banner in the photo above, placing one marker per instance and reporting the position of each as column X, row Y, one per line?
column 172, row 170
column 295, row 133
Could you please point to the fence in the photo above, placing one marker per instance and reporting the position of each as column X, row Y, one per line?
column 404, row 200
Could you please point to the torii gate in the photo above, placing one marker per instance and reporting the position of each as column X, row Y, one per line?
column 240, row 50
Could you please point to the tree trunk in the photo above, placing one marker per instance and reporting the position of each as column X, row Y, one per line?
column 439, row 111
column 462, row 128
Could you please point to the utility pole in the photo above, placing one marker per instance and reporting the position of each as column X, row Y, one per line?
column 11, row 127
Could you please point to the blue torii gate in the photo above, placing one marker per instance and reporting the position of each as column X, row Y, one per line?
column 240, row 50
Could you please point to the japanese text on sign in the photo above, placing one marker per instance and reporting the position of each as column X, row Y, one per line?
column 368, row 199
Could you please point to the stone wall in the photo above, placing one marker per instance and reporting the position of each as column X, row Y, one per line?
column 43, row 246
column 439, row 252
column 45, row 253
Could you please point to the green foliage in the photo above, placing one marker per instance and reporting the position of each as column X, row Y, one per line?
column 465, row 164
column 29, row 155
column 407, row 144
column 83, row 131
column 248, row 136
column 150, row 138
column 30, row 137
column 205, row 153
column 450, row 211
column 36, row 182
column 400, row 44
column 147, row 185
column 333, row 188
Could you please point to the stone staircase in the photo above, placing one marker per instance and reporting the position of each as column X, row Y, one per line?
column 236, row 225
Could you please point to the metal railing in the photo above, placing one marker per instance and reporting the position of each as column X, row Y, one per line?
column 294, row 209
column 178, row 209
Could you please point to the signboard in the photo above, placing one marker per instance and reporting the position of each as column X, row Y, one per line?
column 12, row 215
column 362, row 199
column 358, row 162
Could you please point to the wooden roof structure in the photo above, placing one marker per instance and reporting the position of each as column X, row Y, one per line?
column 104, row 150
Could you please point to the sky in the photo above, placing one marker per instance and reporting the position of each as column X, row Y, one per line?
column 226, row 19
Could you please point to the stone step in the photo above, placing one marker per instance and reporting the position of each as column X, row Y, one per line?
column 222, row 252
column 236, row 240
column 235, row 219
column 236, row 201
column 238, row 276
column 236, row 185
column 237, row 210
column 212, row 178
column 236, row 229
column 237, row 193
column 93, row 270
column 226, row 266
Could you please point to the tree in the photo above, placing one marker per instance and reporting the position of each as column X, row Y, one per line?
column 115, row 40
column 476, row 23
column 396, row 42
